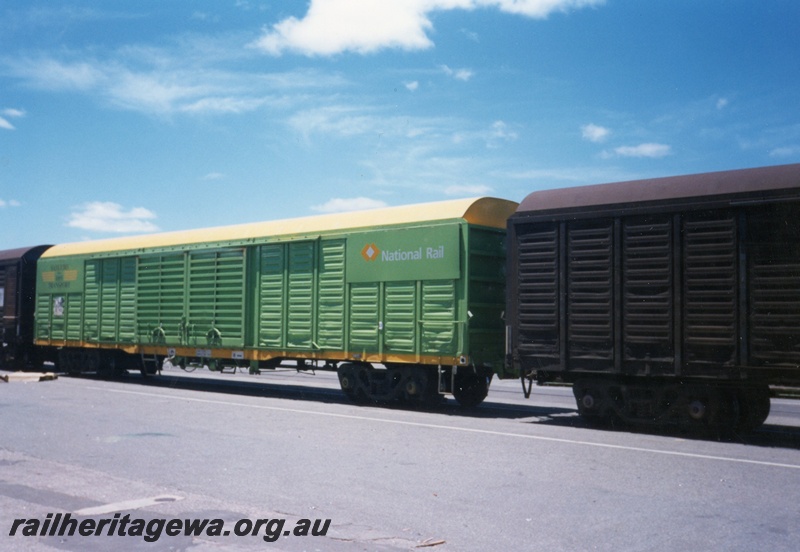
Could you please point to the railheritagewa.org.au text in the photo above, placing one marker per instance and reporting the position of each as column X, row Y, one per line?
column 151, row 530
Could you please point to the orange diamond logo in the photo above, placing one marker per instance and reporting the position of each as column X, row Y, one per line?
column 370, row 252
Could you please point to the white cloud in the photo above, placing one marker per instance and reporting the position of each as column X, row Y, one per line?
column 471, row 35
column 214, row 176
column 155, row 93
column 459, row 74
column 574, row 175
column 465, row 190
column 786, row 151
column 105, row 216
column 223, row 105
column 157, row 90
column 344, row 205
column 11, row 112
column 500, row 132
column 644, row 150
column 412, row 86
column 161, row 82
column 538, row 9
column 341, row 120
column 594, row 133
column 365, row 26
column 722, row 103
column 351, row 121
column 9, row 203
column 54, row 75
column 206, row 17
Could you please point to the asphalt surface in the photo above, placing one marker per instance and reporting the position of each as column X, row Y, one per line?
column 513, row 474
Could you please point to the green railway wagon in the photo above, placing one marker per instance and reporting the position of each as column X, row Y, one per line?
column 404, row 302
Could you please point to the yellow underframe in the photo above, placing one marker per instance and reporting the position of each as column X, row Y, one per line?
column 233, row 355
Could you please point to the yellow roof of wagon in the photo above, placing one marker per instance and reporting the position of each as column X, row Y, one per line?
column 489, row 212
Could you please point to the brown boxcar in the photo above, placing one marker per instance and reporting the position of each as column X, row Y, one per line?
column 17, row 300
column 660, row 300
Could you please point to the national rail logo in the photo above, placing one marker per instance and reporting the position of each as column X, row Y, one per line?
column 407, row 254
column 370, row 252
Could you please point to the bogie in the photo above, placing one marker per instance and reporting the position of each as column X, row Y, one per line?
column 410, row 384
column 687, row 404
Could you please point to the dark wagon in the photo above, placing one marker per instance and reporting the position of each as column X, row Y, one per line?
column 661, row 300
column 17, row 297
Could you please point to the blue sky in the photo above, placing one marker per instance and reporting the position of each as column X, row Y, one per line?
column 140, row 116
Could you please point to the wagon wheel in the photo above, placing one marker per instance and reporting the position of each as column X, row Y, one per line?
column 350, row 384
column 421, row 387
column 712, row 408
column 753, row 407
column 470, row 388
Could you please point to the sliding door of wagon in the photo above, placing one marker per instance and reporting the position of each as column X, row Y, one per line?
column 710, row 292
column 161, row 299
column 216, row 305
column 109, row 301
column 566, row 276
column 773, row 317
column 596, row 295
column 301, row 295
column 195, row 299
column 537, row 298
column 404, row 320
column 648, row 294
